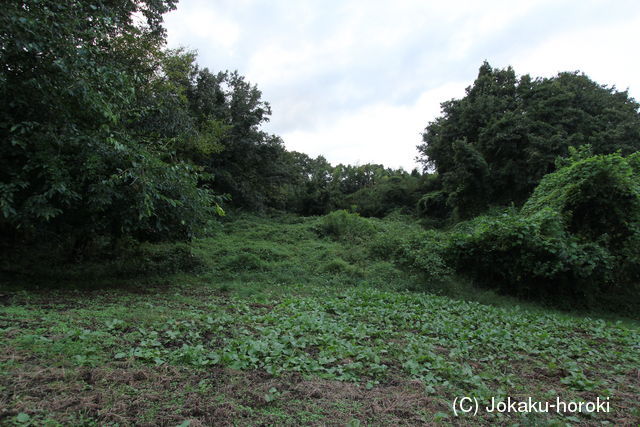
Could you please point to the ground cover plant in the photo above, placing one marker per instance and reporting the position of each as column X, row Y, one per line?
column 270, row 329
column 166, row 260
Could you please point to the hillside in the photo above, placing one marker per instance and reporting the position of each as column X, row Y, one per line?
column 278, row 323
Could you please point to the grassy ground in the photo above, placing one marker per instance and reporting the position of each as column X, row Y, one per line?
column 282, row 326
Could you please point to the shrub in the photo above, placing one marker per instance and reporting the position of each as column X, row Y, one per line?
column 44, row 266
column 423, row 252
column 577, row 236
column 243, row 261
column 529, row 256
column 634, row 162
column 598, row 201
column 598, row 198
column 339, row 266
column 433, row 208
column 345, row 225
column 159, row 259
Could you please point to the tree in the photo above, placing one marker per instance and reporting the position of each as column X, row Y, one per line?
column 245, row 161
column 76, row 162
column 466, row 183
column 518, row 127
column 311, row 189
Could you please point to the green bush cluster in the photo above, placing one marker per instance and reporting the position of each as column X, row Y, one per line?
column 529, row 256
column 577, row 236
column 598, row 201
column 345, row 225
column 424, row 252
column 575, row 240
column 129, row 259
column 339, row 266
column 154, row 259
column 242, row 262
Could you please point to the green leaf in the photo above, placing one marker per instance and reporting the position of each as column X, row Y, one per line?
column 23, row 418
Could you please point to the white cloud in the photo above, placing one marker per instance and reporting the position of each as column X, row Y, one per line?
column 204, row 23
column 358, row 80
column 379, row 133
column 600, row 52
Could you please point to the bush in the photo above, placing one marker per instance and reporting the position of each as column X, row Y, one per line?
column 152, row 259
column 339, row 266
column 598, row 201
column 345, row 225
column 422, row 252
column 243, row 261
column 577, row 236
column 425, row 252
column 433, row 208
column 529, row 256
column 45, row 266
column 598, row 198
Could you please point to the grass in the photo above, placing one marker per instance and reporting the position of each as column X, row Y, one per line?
column 280, row 325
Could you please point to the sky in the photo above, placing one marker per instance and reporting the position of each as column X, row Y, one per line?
column 357, row 81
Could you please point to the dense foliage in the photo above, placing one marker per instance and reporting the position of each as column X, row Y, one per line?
column 493, row 146
column 315, row 187
column 74, row 163
column 109, row 138
column 577, row 237
column 598, row 201
column 532, row 257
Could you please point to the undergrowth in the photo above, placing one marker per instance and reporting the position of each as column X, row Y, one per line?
column 276, row 305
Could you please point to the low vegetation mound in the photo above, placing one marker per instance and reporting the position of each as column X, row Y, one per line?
column 530, row 256
column 342, row 224
column 575, row 237
column 598, row 198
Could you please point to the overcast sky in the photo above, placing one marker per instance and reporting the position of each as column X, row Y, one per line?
column 358, row 80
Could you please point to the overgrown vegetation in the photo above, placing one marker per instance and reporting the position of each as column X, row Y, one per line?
column 280, row 325
column 496, row 144
column 330, row 293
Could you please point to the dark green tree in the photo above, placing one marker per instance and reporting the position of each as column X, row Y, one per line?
column 74, row 162
column 312, row 190
column 245, row 161
column 518, row 127
column 467, row 182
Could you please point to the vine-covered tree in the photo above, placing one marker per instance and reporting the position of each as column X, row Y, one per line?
column 498, row 141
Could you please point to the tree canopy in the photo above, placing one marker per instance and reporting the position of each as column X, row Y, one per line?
column 493, row 146
column 79, row 80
